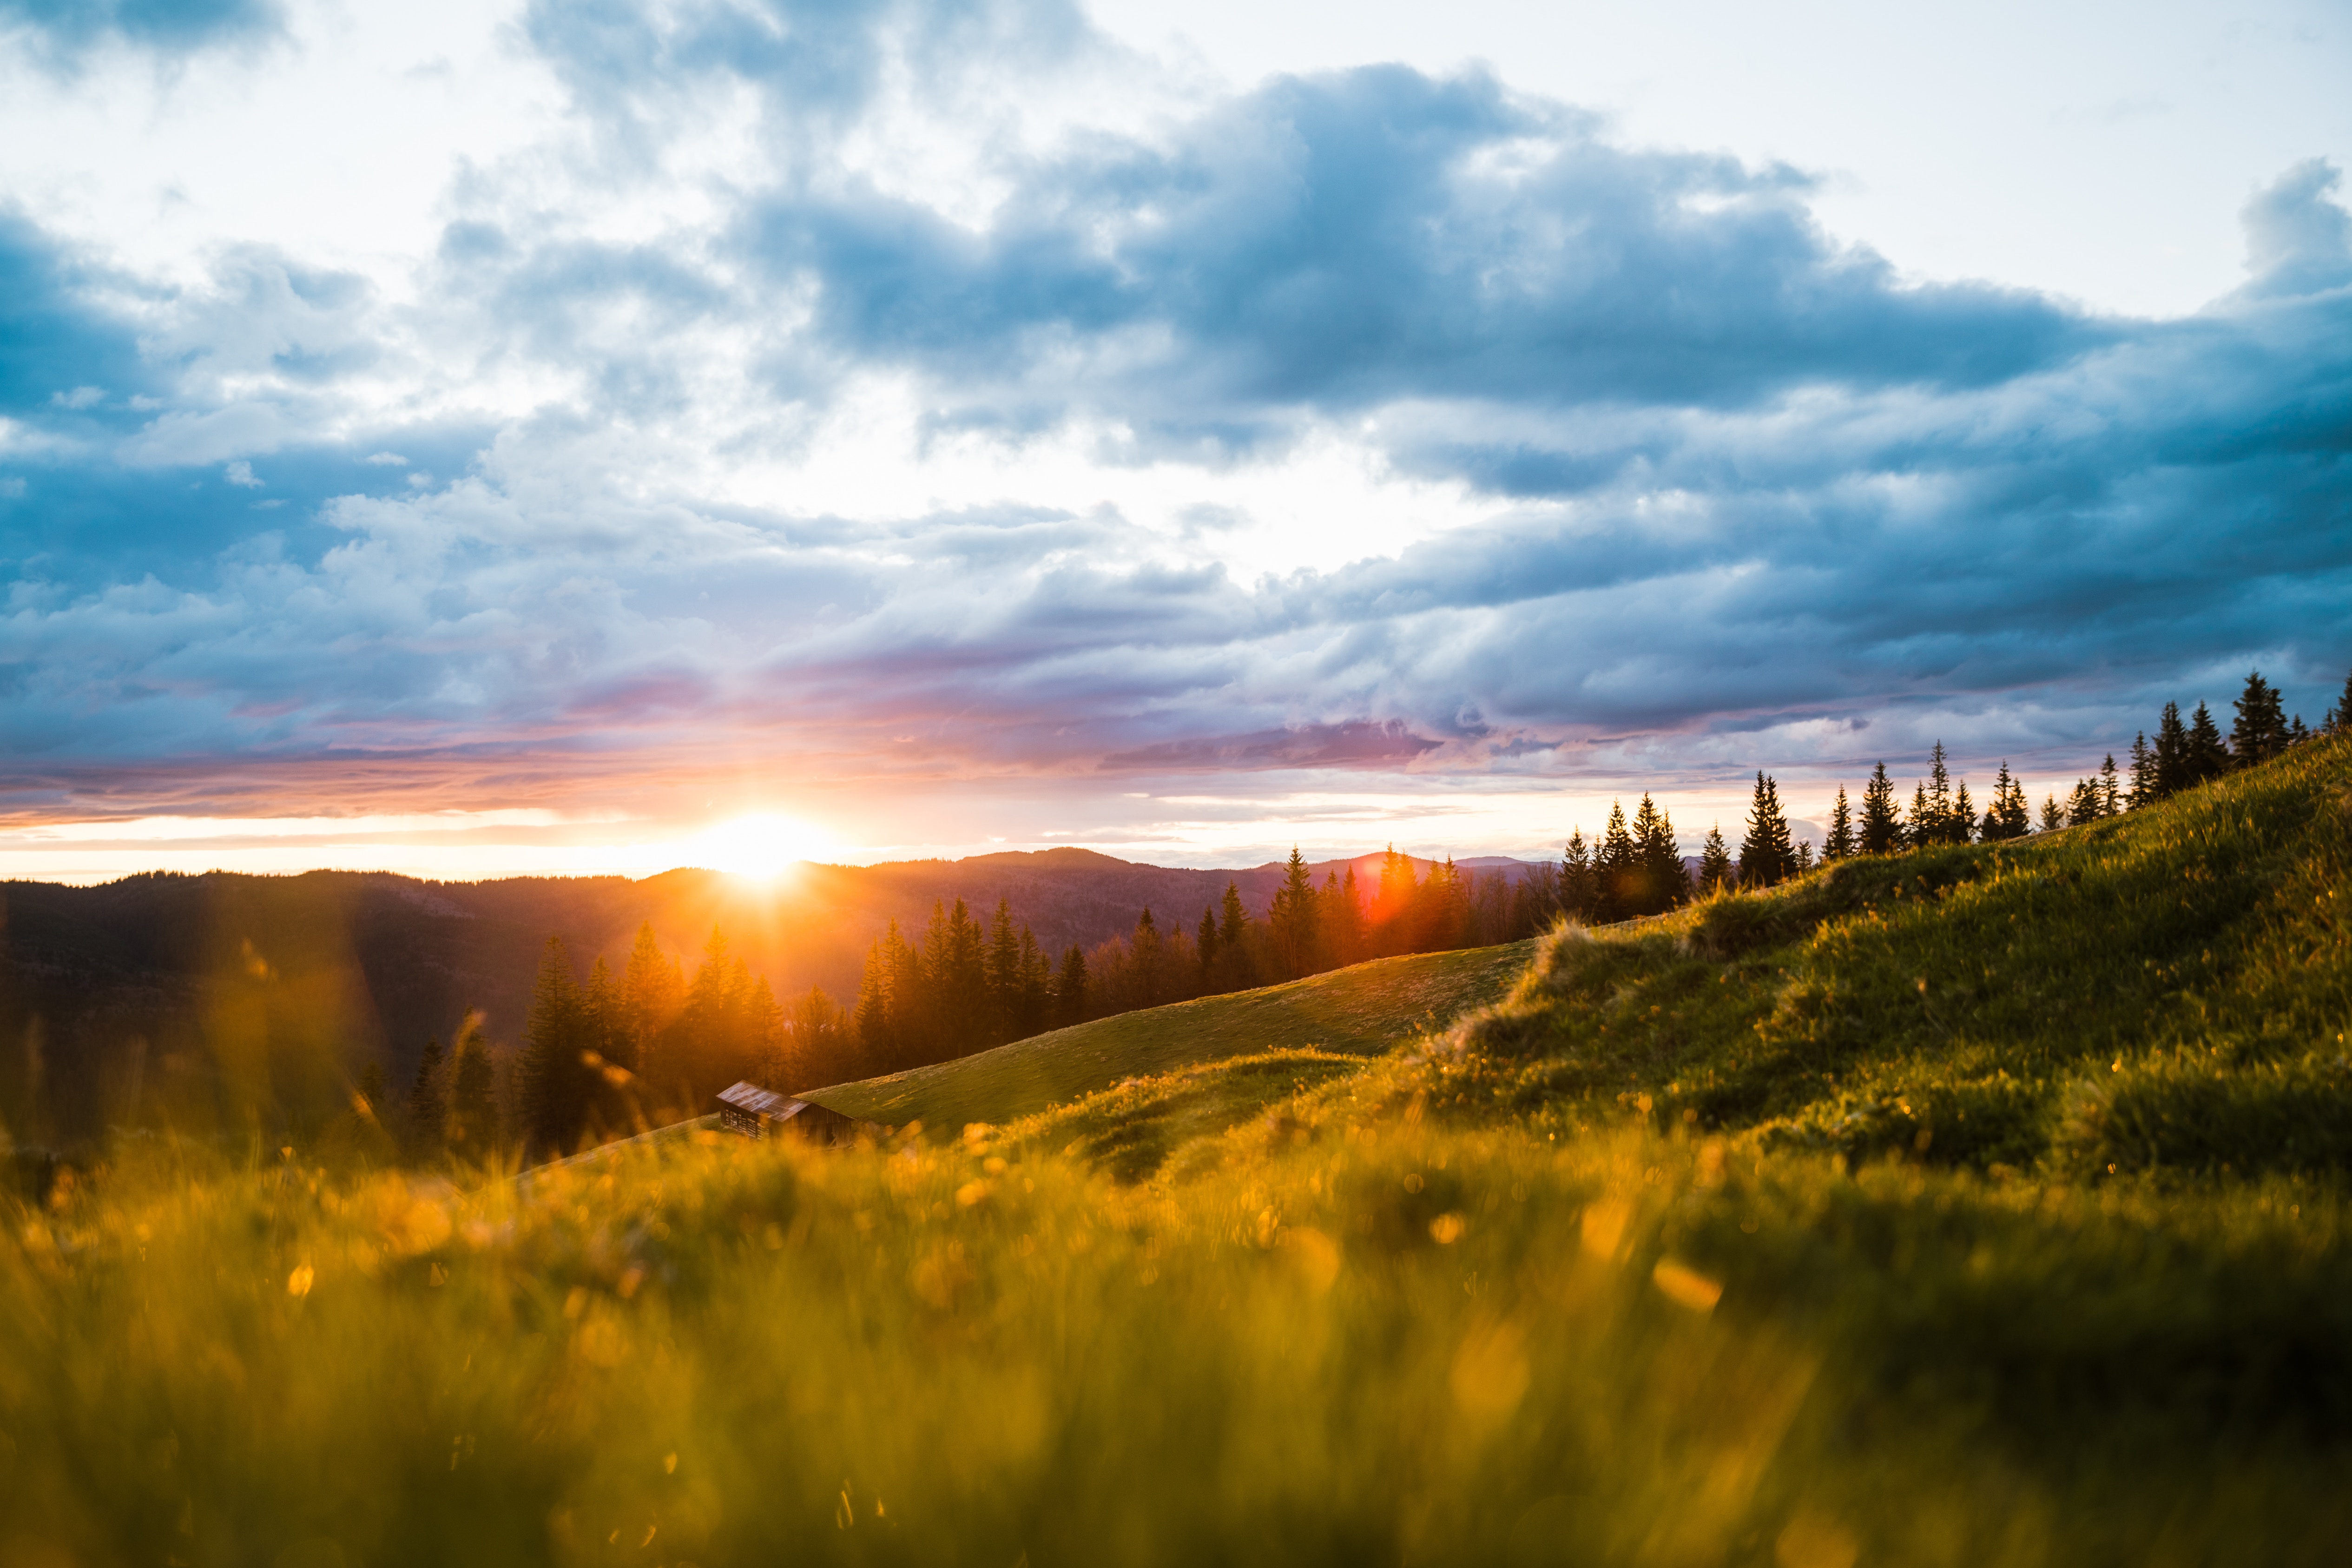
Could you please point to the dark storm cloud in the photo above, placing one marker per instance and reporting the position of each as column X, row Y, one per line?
column 1724, row 485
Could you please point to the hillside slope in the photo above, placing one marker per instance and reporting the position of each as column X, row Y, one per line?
column 1983, row 1206
column 1353, row 1012
column 2167, row 990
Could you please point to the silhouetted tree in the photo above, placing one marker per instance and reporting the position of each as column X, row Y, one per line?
column 2143, row 773
column 1766, row 856
column 1616, row 867
column 2111, row 788
column 1882, row 819
column 426, row 1130
column 2260, row 731
column 2054, row 815
column 474, row 1130
column 2174, row 770
column 554, row 1082
column 1579, row 883
column 2339, row 718
column 1070, row 989
column 1291, row 922
column 1840, row 844
column 2209, row 754
column 1716, row 873
column 1662, row 881
column 2008, row 817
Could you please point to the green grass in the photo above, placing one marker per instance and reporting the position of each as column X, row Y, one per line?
column 1357, row 1010
column 1718, row 1240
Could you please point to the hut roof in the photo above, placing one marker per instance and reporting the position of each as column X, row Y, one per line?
column 749, row 1096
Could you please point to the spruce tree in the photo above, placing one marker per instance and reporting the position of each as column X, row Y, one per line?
column 1935, row 825
column 1664, row 882
column 2143, row 773
column 2084, row 804
column 554, row 1090
column 1292, row 920
column 1963, row 821
column 427, row 1121
column 1580, row 885
column 2339, row 718
column 2173, row 770
column 1925, row 825
column 1716, row 874
column 2054, row 815
column 1840, row 845
column 1616, row 867
column 2008, row 817
column 1205, row 950
column 2209, row 755
column 474, row 1130
column 1070, row 989
column 1240, row 965
column 1882, row 819
column 2260, row 731
column 1766, row 856
column 2296, row 732
column 1001, row 975
column 2111, row 788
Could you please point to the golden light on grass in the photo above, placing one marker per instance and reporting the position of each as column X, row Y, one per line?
column 1686, row 1285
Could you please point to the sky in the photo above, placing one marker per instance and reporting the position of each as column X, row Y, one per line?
column 481, row 439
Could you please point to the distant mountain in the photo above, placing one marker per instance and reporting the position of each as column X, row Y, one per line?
column 108, row 993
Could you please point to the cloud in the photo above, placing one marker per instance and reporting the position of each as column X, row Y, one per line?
column 1371, row 422
column 66, row 30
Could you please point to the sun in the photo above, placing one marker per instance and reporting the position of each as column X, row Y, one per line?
column 763, row 845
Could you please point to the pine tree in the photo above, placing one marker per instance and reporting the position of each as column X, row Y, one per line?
column 652, row 992
column 1233, row 944
column 2173, row 770
column 474, row 1130
column 1001, row 975
column 1205, row 950
column 2260, row 732
column 428, row 1106
column 1714, row 869
column 1959, row 826
column 1766, row 856
column 2209, row 755
column 1924, row 826
column 2143, row 773
column 2084, row 804
column 1662, row 882
column 553, row 1081
column 2111, row 788
column 1615, row 868
column 1881, row 820
column 1580, row 885
column 2054, row 815
column 2008, row 817
column 1841, row 842
column 2339, row 718
column 2296, row 732
column 1070, row 989
column 1292, row 920
column 1935, row 825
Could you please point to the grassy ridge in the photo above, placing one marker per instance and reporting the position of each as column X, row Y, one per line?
column 1357, row 1010
column 1977, row 1207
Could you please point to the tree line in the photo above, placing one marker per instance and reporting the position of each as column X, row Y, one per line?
column 964, row 988
column 608, row 1052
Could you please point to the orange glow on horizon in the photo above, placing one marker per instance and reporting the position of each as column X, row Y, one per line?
column 760, row 845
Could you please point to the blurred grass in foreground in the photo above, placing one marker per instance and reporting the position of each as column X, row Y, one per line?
column 1367, row 1342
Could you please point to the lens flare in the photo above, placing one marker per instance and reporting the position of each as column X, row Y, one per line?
column 763, row 845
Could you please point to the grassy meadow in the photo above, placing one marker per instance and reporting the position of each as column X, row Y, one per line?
column 1978, row 1206
column 1356, row 1012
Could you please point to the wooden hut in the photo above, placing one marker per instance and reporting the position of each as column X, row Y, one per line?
column 757, row 1112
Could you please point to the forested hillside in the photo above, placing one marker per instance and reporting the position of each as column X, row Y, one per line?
column 206, row 993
